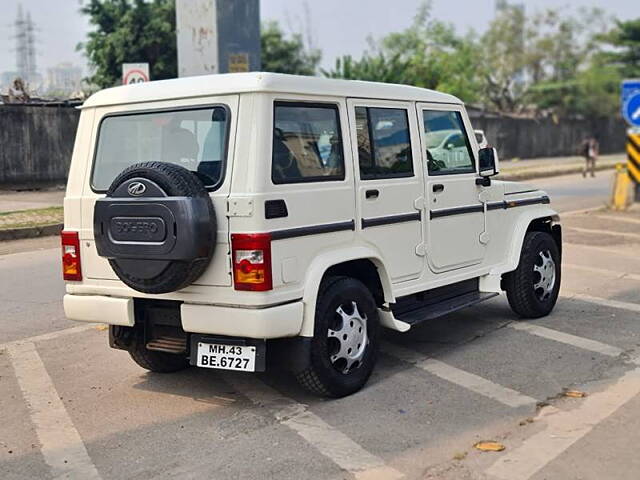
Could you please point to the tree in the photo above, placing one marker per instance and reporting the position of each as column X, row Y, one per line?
column 625, row 38
column 428, row 54
column 130, row 31
column 282, row 55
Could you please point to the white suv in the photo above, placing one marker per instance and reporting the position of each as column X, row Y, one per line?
column 215, row 219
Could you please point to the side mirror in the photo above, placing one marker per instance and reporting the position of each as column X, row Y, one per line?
column 488, row 162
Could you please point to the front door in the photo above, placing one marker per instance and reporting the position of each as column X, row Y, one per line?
column 456, row 215
column 389, row 180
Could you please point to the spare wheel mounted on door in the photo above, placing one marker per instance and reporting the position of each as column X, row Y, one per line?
column 156, row 226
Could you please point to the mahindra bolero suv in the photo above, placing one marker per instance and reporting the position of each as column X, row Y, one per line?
column 231, row 221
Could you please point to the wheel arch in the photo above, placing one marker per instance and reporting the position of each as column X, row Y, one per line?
column 541, row 219
column 362, row 264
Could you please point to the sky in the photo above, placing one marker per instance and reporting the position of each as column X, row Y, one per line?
column 337, row 27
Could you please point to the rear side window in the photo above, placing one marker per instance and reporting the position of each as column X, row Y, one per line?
column 195, row 139
column 307, row 143
column 384, row 144
column 448, row 148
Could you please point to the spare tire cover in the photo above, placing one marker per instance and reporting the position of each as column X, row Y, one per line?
column 156, row 226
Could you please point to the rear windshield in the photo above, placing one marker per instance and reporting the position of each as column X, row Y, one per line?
column 194, row 138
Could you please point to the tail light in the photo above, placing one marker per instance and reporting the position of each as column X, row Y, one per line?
column 251, row 261
column 71, row 269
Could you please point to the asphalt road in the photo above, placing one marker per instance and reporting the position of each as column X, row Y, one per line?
column 72, row 408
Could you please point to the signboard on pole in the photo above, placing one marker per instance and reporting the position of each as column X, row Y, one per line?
column 630, row 99
column 135, row 73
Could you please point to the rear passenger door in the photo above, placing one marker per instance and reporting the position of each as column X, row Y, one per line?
column 456, row 214
column 389, row 183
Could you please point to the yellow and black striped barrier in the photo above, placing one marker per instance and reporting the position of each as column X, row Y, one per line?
column 633, row 157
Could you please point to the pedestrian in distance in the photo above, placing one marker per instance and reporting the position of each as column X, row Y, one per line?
column 590, row 149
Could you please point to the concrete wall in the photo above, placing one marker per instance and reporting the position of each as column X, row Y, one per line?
column 36, row 143
column 531, row 138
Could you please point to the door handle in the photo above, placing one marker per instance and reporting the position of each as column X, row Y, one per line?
column 371, row 194
column 438, row 187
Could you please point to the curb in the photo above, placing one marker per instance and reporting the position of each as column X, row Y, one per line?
column 30, row 232
column 515, row 176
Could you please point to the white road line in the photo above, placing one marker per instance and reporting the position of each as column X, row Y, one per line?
column 329, row 441
column 605, row 302
column 605, row 232
column 467, row 380
column 61, row 444
column 602, row 271
column 51, row 335
column 563, row 429
column 594, row 248
column 568, row 339
column 618, row 219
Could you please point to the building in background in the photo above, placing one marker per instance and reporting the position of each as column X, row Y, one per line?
column 63, row 80
column 217, row 36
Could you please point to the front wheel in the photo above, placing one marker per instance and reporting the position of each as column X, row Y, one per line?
column 532, row 288
column 345, row 345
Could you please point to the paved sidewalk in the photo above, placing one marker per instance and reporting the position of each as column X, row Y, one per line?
column 11, row 201
column 553, row 166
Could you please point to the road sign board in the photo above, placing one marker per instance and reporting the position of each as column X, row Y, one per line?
column 135, row 73
column 630, row 100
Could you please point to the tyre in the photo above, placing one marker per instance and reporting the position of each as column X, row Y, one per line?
column 532, row 288
column 155, row 361
column 345, row 345
column 157, row 250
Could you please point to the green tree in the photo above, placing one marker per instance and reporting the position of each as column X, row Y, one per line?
column 283, row 55
column 625, row 38
column 428, row 54
column 130, row 31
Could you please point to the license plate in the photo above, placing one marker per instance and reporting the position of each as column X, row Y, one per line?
column 227, row 357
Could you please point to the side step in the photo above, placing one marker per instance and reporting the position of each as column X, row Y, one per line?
column 168, row 344
column 420, row 312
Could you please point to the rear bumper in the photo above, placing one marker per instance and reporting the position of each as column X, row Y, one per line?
column 271, row 322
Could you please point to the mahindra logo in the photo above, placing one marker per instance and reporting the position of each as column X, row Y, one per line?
column 136, row 188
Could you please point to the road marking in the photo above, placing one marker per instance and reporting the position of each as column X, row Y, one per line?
column 467, row 380
column 619, row 219
column 602, row 271
column 329, row 441
column 581, row 211
column 568, row 339
column 632, row 307
column 563, row 429
column 605, row 232
column 614, row 251
column 61, row 444
column 51, row 335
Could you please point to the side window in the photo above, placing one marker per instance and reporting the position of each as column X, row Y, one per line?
column 307, row 143
column 448, row 148
column 384, row 144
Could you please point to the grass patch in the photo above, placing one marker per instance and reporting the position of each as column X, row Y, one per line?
column 31, row 218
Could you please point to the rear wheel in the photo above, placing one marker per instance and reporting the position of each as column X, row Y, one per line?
column 155, row 361
column 345, row 345
column 532, row 288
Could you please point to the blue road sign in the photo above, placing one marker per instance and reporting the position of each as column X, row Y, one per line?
column 630, row 99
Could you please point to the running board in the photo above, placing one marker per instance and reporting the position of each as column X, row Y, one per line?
column 430, row 311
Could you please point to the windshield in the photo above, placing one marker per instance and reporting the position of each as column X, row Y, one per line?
column 195, row 139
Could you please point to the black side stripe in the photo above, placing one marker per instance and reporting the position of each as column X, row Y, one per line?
column 391, row 219
column 445, row 212
column 313, row 230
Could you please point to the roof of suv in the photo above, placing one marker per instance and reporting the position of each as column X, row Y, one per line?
column 207, row 85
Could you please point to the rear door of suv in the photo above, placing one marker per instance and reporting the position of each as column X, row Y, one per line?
column 389, row 183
